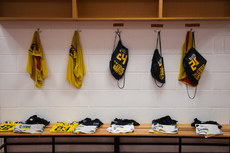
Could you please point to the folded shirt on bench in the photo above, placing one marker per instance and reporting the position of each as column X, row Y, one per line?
column 87, row 129
column 29, row 128
column 8, row 126
column 164, row 125
column 207, row 128
column 122, row 126
column 87, row 126
column 63, row 127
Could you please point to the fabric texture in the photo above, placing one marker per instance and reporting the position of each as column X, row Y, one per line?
column 36, row 64
column 76, row 67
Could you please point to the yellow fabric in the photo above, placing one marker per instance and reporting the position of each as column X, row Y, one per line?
column 36, row 64
column 76, row 67
column 188, row 44
column 63, row 127
column 8, row 126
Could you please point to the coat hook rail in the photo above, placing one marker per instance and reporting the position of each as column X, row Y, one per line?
column 118, row 25
column 157, row 25
column 191, row 25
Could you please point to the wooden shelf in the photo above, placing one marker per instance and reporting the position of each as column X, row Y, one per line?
column 35, row 9
column 117, row 19
column 196, row 8
column 115, row 10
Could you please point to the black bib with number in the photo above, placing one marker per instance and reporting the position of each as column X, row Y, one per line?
column 119, row 61
column 194, row 64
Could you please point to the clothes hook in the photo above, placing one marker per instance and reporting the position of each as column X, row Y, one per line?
column 157, row 30
column 79, row 30
column 38, row 30
column 118, row 32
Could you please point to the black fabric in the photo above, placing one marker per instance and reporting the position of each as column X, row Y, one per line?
column 124, row 122
column 166, row 120
column 119, row 61
column 196, row 121
column 37, row 120
column 194, row 64
column 157, row 67
column 89, row 121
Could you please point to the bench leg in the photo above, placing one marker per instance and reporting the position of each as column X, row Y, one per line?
column 179, row 145
column 53, row 144
column 5, row 144
column 116, row 145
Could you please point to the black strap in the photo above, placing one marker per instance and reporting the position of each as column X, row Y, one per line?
column 193, row 37
column 118, row 33
column 159, row 42
column 159, row 86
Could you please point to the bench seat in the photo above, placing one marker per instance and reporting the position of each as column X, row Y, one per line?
column 185, row 130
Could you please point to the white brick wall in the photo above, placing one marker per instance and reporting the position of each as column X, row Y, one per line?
column 99, row 96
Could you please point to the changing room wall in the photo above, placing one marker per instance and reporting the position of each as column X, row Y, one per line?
column 99, row 96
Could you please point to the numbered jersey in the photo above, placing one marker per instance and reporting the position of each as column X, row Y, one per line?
column 119, row 61
column 63, row 127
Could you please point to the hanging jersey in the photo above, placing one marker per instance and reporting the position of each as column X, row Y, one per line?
column 36, row 64
column 76, row 67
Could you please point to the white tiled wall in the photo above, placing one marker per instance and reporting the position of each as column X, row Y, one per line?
column 99, row 96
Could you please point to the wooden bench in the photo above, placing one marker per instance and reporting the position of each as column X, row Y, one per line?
column 185, row 131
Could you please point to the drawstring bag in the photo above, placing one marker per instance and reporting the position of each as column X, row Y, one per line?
column 194, row 64
column 157, row 68
column 119, row 60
